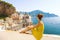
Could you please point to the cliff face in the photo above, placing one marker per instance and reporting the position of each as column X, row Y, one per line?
column 1, row 7
column 6, row 9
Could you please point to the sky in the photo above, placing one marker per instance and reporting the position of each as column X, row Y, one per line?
column 51, row 6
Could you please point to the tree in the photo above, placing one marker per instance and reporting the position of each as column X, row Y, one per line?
column 6, row 9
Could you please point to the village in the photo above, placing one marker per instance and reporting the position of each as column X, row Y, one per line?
column 15, row 22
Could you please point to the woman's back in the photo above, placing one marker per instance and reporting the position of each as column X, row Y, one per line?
column 38, row 30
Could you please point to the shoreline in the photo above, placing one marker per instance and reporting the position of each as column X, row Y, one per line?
column 53, row 35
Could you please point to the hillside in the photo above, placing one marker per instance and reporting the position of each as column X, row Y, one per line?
column 35, row 12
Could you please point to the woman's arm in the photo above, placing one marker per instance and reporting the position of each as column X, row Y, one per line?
column 26, row 29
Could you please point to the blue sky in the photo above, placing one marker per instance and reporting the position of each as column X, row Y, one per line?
column 51, row 6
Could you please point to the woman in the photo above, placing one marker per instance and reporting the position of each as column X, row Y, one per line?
column 38, row 29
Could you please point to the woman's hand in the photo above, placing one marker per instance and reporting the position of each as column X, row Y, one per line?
column 31, row 27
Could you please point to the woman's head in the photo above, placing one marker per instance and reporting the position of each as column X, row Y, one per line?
column 39, row 16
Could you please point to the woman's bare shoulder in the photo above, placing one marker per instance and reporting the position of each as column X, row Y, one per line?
column 41, row 22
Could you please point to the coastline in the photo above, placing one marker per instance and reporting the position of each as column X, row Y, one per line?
column 53, row 35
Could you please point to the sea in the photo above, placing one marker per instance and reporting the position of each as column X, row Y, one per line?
column 51, row 25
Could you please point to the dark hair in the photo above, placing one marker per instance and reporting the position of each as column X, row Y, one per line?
column 40, row 16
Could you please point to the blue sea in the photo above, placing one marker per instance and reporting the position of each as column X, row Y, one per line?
column 51, row 25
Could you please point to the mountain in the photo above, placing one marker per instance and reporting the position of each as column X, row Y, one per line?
column 36, row 12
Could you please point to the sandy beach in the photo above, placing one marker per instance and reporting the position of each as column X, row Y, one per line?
column 12, row 35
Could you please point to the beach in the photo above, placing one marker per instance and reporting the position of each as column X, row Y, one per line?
column 13, row 35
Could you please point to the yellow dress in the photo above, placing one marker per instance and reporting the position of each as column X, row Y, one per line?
column 38, row 31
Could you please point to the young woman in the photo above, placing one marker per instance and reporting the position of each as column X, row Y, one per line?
column 38, row 29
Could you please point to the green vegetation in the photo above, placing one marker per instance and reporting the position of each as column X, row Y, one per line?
column 6, row 9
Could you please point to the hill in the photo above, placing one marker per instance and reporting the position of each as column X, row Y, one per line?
column 36, row 12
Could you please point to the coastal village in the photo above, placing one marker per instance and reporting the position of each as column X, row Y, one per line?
column 15, row 22
column 10, row 19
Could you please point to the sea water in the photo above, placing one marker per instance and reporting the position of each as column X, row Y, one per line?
column 51, row 24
